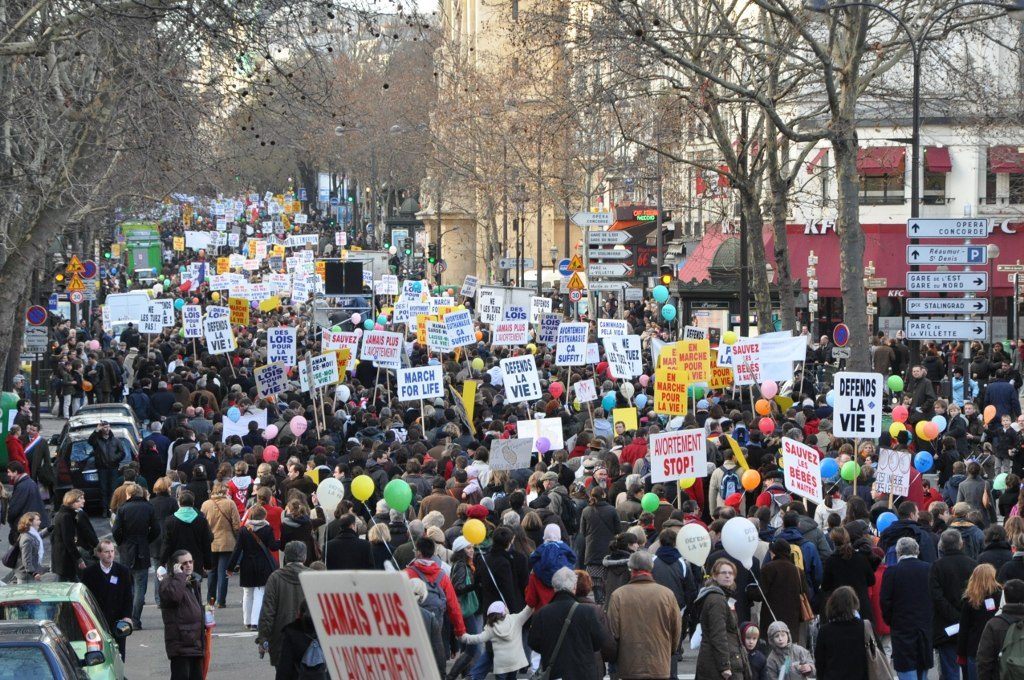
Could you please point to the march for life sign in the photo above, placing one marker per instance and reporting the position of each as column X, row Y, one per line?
column 460, row 328
column 192, row 321
column 422, row 382
column 368, row 625
column 695, row 333
column 767, row 357
column 281, row 345
column 624, row 356
column 510, row 333
column 675, row 455
column 691, row 358
column 271, row 379
column 519, row 376
column 586, row 390
column 892, row 475
column 571, row 347
column 350, row 341
column 219, row 337
column 384, row 349
column 801, row 467
column 857, row 411
column 608, row 328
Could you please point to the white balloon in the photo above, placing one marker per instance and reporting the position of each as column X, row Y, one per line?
column 329, row 494
column 627, row 390
column 739, row 538
column 694, row 543
column 342, row 392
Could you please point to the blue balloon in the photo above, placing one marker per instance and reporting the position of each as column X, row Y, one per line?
column 179, row 303
column 234, row 415
column 941, row 422
column 641, row 400
column 433, row 362
column 668, row 312
column 830, row 398
column 923, row 461
column 609, row 402
column 884, row 520
column 660, row 294
column 368, row 324
column 417, row 286
column 829, row 468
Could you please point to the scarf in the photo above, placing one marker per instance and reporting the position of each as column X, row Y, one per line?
column 668, row 554
column 32, row 531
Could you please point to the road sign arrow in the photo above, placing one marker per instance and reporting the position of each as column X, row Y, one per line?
column 611, row 269
column 915, row 228
column 979, row 330
column 608, row 238
column 914, row 254
column 589, row 219
column 978, row 282
column 942, row 227
column 979, row 306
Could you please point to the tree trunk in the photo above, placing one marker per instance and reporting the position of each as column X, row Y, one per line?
column 787, row 299
column 851, row 252
column 758, row 272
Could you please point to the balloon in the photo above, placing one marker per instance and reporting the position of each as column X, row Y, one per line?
column 271, row 453
column 368, row 324
column 931, row 430
column 695, row 392
column 185, row 287
column 195, row 301
column 398, row 495
column 377, row 326
column 94, row 345
column 989, row 413
column 896, row 428
column 694, row 543
column 381, row 319
column 750, row 480
column 668, row 312
column 474, row 531
column 543, row 445
column 362, row 487
column 87, row 386
column 766, row 426
column 158, row 288
column 298, row 425
column 644, row 380
column 531, row 348
column 660, row 294
column 739, row 538
column 255, row 304
column 687, row 482
column 479, row 335
column 234, row 414
column 417, row 286
column 763, row 407
column 650, row 502
column 940, row 422
column 850, row 470
column 356, row 319
column 477, row 364
column 343, row 393
column 923, row 461
column 900, row 414
column 556, row 389
column 830, row 398
column 921, row 430
column 609, row 402
column 215, row 296
column 335, row 328
column 829, row 468
column 179, row 303
column 895, row 383
column 641, row 400
column 329, row 494
column 999, row 483
column 729, row 337
column 769, row 388
column 167, row 282
column 181, row 332
column 269, row 432
column 627, row 390
column 577, row 405
column 885, row 520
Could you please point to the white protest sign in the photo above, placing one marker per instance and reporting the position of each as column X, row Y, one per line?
column 593, row 353
column 515, row 313
column 384, row 349
column 271, row 379
column 537, row 428
column 488, row 305
column 166, row 310
column 510, row 454
column 766, row 357
column 323, row 369
column 892, row 475
column 801, row 466
column 388, row 285
column 350, row 341
column 624, row 357
column 586, row 390
column 241, row 427
column 192, row 321
column 857, row 412
column 218, row 313
column 510, row 333
column 675, row 455
column 151, row 322
column 341, row 239
column 368, row 625
column 281, row 345
column 571, row 347
column 695, row 333
column 538, row 307
column 460, row 328
column 607, row 328
column 437, row 337
column 469, row 286
column 519, row 376
column 219, row 337
column 422, row 382
column 549, row 328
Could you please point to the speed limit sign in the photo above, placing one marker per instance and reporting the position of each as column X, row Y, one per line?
column 76, row 297
column 575, row 295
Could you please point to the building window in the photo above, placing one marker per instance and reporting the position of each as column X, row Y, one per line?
column 990, row 188
column 1016, row 188
column 934, row 188
column 881, row 189
column 515, row 10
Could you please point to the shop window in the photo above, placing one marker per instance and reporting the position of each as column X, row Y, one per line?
column 881, row 189
column 934, row 188
column 991, row 185
column 1016, row 188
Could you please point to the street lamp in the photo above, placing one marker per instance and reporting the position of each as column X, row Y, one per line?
column 993, row 253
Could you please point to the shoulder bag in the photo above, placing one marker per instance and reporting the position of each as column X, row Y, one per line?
column 878, row 664
column 266, row 553
column 545, row 673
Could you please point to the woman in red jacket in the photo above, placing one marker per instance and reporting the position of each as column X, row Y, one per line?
column 15, row 449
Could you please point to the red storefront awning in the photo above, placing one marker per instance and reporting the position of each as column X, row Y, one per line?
column 1005, row 159
column 880, row 160
column 936, row 159
column 813, row 163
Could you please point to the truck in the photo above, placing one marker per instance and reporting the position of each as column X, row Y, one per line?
column 143, row 248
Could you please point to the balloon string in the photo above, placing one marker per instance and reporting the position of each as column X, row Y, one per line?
column 764, row 598
column 386, row 544
column 483, row 558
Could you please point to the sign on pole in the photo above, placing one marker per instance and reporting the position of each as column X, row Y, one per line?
column 422, row 382
column 460, row 328
column 281, row 345
column 947, row 306
column 675, row 455
column 607, row 328
column 892, row 475
column 624, row 356
column 950, row 282
column 801, row 468
column 608, row 238
column 858, row 404
column 510, row 454
column 271, row 379
column 519, row 376
column 968, row 227
column 586, row 390
column 219, row 337
column 947, row 254
column 571, row 347
column 924, row 329
column 593, row 219
column 192, row 321
column 384, row 349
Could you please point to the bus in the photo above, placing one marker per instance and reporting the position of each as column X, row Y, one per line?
column 143, row 248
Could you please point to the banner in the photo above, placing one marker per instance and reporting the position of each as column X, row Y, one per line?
column 460, row 328
column 893, row 472
column 612, row 328
column 624, row 357
column 219, row 337
column 519, row 376
column 675, row 455
column 510, row 333
column 384, row 349
column 669, row 393
column 766, row 357
column 350, row 341
column 469, row 286
column 241, row 427
column 271, row 379
column 510, row 454
column 538, row 307
column 691, row 358
column 281, row 345
column 571, row 347
column 549, row 323
column 323, row 370
column 422, row 382
column 801, row 466
column 192, row 321
column 857, row 412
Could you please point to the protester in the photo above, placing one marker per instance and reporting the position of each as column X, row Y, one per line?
column 72, row 536
column 948, row 581
column 253, row 558
column 721, row 654
column 182, row 612
column 907, row 608
column 282, row 599
column 111, row 584
column 576, row 625
column 222, row 516
column 840, row 650
column 134, row 529
column 29, row 566
column 993, row 636
column 981, row 600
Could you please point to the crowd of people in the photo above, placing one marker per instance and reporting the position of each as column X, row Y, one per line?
column 579, row 570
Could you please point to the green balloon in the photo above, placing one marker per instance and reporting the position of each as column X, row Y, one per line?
column 398, row 495
column 895, row 383
column 650, row 502
column 695, row 392
column 335, row 329
column 850, row 470
column 999, row 483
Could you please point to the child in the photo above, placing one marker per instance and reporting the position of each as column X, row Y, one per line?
column 751, row 636
column 505, row 633
column 787, row 660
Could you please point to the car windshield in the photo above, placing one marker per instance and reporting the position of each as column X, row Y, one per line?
column 24, row 662
column 81, row 450
column 61, row 613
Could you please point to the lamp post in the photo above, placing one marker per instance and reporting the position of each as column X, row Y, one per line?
column 993, row 253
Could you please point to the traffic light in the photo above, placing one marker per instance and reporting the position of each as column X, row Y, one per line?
column 666, row 275
column 387, row 245
column 408, row 250
column 58, row 278
column 432, row 253
column 106, row 255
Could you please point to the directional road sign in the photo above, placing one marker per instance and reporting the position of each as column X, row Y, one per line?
column 947, row 255
column 604, row 254
column 512, row 263
column 947, row 306
column 592, row 219
column 967, row 227
column 926, row 329
column 611, row 269
column 608, row 238
column 935, row 282
column 1012, row 268
column 35, row 340
column 608, row 285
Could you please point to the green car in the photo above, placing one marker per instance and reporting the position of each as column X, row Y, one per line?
column 75, row 611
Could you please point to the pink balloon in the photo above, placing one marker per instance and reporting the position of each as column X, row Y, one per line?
column 769, row 388
column 270, row 432
column 357, row 318
column 900, row 414
column 556, row 389
column 94, row 345
column 378, row 327
column 271, row 453
column 298, row 425
column 644, row 380
column 766, row 426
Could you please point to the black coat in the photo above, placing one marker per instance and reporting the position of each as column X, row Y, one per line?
column 855, row 572
column 135, row 527
column 598, row 524
column 906, row 606
column 947, row 580
column 71, row 530
column 511, row 573
column 584, row 637
column 25, row 497
column 194, row 536
column 256, row 564
column 112, row 591
column 1012, row 569
column 152, row 464
column 746, row 583
column 972, row 622
column 182, row 616
column 348, row 551
column 997, row 554
column 839, row 651
column 164, row 506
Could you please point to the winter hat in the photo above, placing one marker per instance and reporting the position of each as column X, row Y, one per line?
column 477, row 512
column 460, row 543
column 497, row 607
column 552, row 533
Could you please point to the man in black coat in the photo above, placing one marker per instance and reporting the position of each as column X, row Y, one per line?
column 907, row 526
column 111, row 584
column 107, row 454
column 906, row 605
column 188, row 530
column 25, row 497
column 135, row 527
column 508, row 569
column 347, row 550
column 948, row 579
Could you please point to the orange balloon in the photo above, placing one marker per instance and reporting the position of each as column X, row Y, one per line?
column 751, row 480
column 989, row 413
column 479, row 335
column 763, row 407
column 87, row 386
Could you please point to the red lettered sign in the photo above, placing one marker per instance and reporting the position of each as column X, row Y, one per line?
column 675, row 455
column 802, row 468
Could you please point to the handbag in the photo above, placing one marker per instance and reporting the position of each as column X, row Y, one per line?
column 806, row 610
column 878, row 664
column 11, row 557
column 545, row 673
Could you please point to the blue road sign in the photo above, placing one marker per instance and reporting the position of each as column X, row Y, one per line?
column 977, row 254
column 36, row 315
column 90, row 269
column 334, row 201
column 563, row 267
column 302, row 194
column 51, row 304
column 324, row 196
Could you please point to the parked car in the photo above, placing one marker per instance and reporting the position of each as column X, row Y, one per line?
column 113, row 412
column 39, row 650
column 76, row 465
column 87, row 422
column 77, row 614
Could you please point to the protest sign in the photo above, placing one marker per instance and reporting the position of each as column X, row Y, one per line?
column 489, row 305
column 241, row 426
column 720, row 377
column 515, row 313
column 437, row 337
column 857, row 412
column 519, row 376
column 549, row 328
column 538, row 307
column 510, row 454
column 239, row 311
column 271, row 379
column 350, row 341
column 801, row 466
column 219, row 337
column 166, row 310
column 586, row 391
column 192, row 321
column 384, row 349
column 469, row 286
column 571, row 348
column 669, row 393
column 548, row 428
column 368, row 625
column 388, row 285
column 213, row 312
column 510, row 333
column 893, row 472
column 323, row 370
column 607, row 328
column 625, row 415
column 623, row 355
column 270, row 304
column 151, row 321
column 695, row 333
column 766, row 357
column 691, row 359
column 675, row 455
column 422, row 382
column 281, row 345
column 593, row 353
column 460, row 328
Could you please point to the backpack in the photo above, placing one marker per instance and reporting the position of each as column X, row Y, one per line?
column 890, row 556
column 730, row 483
column 798, row 556
column 570, row 516
column 1011, row 655
column 779, row 500
column 436, row 601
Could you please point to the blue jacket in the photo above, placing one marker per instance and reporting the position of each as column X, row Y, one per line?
column 958, row 390
column 813, row 567
column 549, row 558
column 1003, row 396
column 905, row 527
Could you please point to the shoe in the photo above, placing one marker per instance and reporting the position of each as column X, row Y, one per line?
column 221, row 605
column 137, row 625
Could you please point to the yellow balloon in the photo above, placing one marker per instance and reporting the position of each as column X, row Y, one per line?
column 895, row 429
column 362, row 487
column 687, row 482
column 216, row 296
column 921, row 430
column 729, row 337
column 531, row 348
column 473, row 530
column 577, row 405
column 478, row 364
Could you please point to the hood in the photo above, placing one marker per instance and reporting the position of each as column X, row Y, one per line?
column 257, row 524
column 288, row 520
column 807, row 524
column 186, row 514
column 428, row 568
column 549, row 558
column 792, row 534
column 997, row 545
column 708, row 590
column 504, row 629
column 614, row 560
column 290, row 572
column 242, row 482
column 776, row 627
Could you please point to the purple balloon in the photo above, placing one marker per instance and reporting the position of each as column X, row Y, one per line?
column 543, row 445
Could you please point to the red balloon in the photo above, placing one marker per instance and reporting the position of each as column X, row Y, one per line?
column 556, row 389
column 900, row 414
column 185, row 287
column 766, row 426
